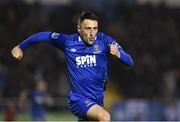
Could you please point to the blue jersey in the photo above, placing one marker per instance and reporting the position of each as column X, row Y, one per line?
column 38, row 99
column 87, row 64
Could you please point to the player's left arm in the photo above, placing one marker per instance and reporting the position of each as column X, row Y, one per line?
column 121, row 54
column 116, row 50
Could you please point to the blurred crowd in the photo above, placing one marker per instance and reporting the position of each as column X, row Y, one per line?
column 150, row 34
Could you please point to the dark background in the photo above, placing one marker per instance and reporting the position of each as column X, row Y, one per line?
column 149, row 32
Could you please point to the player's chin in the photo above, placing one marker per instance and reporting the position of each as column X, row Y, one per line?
column 91, row 41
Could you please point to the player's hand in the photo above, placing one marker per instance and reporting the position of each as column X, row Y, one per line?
column 49, row 101
column 17, row 52
column 114, row 50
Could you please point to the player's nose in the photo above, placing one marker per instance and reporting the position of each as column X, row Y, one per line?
column 92, row 33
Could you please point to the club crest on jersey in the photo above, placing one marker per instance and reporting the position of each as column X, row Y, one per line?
column 96, row 49
column 86, row 61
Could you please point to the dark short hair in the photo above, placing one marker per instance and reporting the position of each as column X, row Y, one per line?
column 87, row 15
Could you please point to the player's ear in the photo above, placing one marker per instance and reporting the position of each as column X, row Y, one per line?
column 78, row 28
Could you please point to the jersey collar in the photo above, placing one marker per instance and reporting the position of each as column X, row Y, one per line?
column 80, row 39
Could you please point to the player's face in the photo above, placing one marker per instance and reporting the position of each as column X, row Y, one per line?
column 41, row 86
column 88, row 30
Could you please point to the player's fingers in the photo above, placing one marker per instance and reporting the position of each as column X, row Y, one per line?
column 110, row 46
column 17, row 53
column 19, row 58
column 14, row 53
column 114, row 48
column 113, row 52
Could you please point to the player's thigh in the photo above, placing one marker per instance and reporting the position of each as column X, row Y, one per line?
column 97, row 112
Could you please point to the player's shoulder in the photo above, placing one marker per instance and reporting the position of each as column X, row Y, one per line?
column 101, row 35
column 57, row 35
column 73, row 36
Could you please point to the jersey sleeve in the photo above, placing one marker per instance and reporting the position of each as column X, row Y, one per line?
column 124, row 56
column 56, row 39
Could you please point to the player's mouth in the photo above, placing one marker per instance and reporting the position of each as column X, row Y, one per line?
column 91, row 39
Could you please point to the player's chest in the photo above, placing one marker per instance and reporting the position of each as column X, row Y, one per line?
column 82, row 49
column 86, row 56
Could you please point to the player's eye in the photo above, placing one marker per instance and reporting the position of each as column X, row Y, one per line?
column 88, row 28
column 95, row 28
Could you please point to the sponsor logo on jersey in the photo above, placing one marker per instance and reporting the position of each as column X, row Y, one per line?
column 86, row 61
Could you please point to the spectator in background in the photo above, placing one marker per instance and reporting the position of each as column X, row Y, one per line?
column 9, row 111
column 39, row 98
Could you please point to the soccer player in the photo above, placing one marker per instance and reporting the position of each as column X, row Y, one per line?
column 39, row 98
column 86, row 54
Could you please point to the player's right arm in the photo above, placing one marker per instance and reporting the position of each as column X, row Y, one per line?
column 55, row 39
